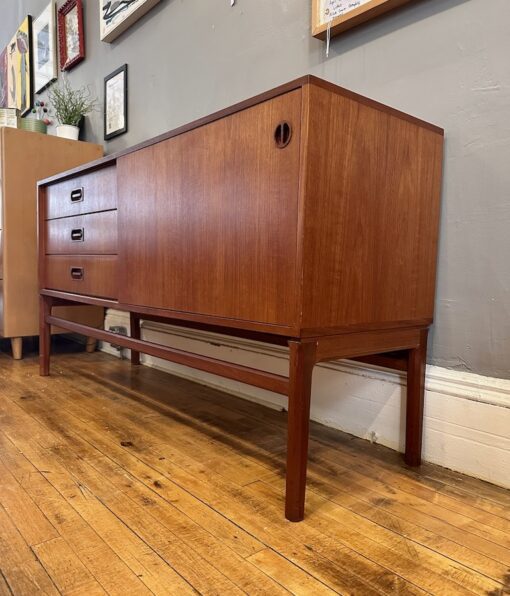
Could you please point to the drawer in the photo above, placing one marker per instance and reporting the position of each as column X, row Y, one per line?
column 92, row 234
column 88, row 275
column 88, row 193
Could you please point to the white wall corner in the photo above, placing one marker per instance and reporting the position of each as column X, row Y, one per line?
column 467, row 416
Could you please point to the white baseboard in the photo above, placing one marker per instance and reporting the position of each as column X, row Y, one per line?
column 467, row 416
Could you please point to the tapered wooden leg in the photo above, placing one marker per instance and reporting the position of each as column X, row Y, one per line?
column 302, row 361
column 17, row 348
column 416, row 365
column 91, row 344
column 135, row 334
column 44, row 336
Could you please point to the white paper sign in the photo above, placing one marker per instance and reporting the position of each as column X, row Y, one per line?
column 336, row 8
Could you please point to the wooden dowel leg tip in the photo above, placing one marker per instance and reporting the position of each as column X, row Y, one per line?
column 294, row 515
column 413, row 461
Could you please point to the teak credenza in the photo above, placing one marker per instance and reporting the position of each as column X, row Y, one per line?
column 307, row 216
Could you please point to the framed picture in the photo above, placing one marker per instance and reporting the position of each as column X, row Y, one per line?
column 115, row 103
column 340, row 15
column 16, row 70
column 44, row 48
column 118, row 15
column 71, row 39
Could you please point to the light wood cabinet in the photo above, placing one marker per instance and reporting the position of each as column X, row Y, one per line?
column 25, row 157
column 307, row 216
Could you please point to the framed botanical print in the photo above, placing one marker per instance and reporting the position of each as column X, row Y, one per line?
column 115, row 103
column 332, row 17
column 117, row 16
column 16, row 70
column 44, row 48
column 71, row 39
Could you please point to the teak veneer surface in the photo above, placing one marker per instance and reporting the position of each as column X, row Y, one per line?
column 308, row 212
column 93, row 501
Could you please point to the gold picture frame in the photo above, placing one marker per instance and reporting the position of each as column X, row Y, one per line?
column 351, row 17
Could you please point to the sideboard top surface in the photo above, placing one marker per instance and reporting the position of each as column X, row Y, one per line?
column 295, row 84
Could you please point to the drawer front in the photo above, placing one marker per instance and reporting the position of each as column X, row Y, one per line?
column 88, row 275
column 92, row 234
column 92, row 192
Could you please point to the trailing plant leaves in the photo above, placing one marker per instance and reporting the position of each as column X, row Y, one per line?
column 71, row 105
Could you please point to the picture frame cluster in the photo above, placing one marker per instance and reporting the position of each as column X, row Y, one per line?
column 55, row 41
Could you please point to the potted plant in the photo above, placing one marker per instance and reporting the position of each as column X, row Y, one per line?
column 70, row 106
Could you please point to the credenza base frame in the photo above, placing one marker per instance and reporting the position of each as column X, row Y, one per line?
column 400, row 348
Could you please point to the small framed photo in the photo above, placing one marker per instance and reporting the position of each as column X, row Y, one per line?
column 44, row 50
column 71, row 39
column 115, row 103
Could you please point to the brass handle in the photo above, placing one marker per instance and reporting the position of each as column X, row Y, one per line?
column 77, row 273
column 77, row 235
column 77, row 195
column 282, row 134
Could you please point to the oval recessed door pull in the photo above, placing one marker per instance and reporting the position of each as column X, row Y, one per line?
column 283, row 134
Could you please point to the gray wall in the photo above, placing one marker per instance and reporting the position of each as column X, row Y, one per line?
column 446, row 61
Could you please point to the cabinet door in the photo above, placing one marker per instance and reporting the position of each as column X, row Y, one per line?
column 208, row 218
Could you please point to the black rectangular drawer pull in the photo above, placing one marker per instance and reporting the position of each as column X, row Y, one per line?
column 77, row 195
column 77, row 235
column 77, row 272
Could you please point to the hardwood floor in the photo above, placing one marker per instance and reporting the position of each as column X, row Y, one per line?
column 125, row 480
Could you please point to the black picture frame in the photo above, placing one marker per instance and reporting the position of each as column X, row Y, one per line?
column 108, row 133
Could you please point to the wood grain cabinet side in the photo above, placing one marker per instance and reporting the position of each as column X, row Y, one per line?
column 25, row 158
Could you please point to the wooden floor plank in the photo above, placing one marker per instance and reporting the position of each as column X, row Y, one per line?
column 431, row 570
column 180, row 488
column 20, row 569
column 66, row 570
column 104, row 564
column 295, row 580
column 380, row 577
column 332, row 568
column 33, row 525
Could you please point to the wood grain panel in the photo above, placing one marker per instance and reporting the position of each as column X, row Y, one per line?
column 215, row 232
column 94, row 233
column 1, row 257
column 98, row 274
column 98, row 193
column 372, row 213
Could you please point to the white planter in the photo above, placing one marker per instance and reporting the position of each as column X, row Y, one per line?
column 68, row 132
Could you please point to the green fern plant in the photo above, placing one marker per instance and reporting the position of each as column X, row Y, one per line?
column 71, row 105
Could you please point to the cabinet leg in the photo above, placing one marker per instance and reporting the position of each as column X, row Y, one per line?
column 416, row 364
column 134, row 320
column 17, row 348
column 91, row 344
column 44, row 336
column 302, row 361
